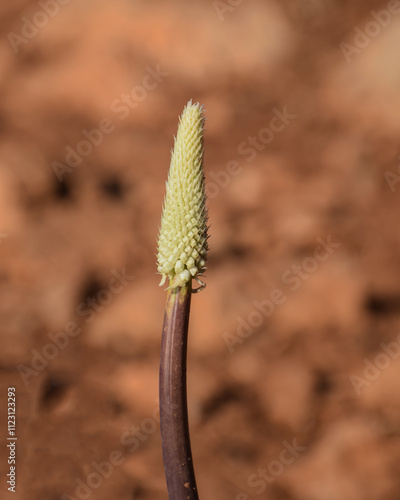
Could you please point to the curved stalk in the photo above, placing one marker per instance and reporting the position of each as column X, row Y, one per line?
column 177, row 455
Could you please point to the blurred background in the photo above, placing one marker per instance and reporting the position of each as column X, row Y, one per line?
column 294, row 352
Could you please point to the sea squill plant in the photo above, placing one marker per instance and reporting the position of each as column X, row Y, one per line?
column 182, row 255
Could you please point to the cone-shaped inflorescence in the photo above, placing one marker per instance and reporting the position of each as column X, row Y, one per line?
column 182, row 243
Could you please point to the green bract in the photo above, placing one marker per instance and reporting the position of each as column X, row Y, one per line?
column 182, row 242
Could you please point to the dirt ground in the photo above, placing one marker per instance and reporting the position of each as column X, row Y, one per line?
column 294, row 351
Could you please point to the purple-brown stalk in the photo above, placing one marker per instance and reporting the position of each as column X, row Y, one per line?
column 177, row 455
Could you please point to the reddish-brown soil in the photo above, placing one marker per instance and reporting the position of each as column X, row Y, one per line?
column 318, row 373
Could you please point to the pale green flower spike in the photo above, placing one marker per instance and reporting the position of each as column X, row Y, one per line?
column 182, row 242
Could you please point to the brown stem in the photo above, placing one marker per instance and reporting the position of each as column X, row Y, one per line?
column 177, row 455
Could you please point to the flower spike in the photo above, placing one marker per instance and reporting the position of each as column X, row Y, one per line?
column 182, row 242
